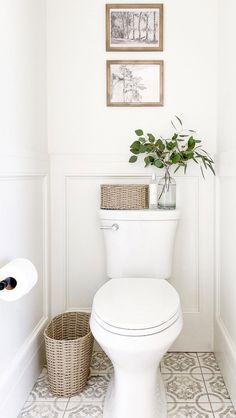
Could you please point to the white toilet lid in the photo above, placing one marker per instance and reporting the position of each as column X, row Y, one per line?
column 136, row 304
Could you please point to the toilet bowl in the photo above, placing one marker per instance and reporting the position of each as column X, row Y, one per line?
column 135, row 320
column 136, row 315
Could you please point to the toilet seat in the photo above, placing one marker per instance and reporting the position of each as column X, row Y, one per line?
column 136, row 306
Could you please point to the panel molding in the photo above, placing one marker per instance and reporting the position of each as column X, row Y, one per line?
column 88, row 168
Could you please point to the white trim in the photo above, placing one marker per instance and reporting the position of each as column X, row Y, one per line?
column 46, row 246
column 225, row 352
column 21, row 374
column 26, row 164
column 224, row 347
column 86, row 310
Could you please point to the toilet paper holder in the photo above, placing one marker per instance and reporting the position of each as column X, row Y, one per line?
column 9, row 283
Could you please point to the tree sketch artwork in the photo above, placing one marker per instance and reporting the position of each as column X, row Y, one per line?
column 125, row 86
column 134, row 84
column 135, row 28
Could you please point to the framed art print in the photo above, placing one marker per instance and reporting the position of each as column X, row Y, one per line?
column 134, row 27
column 135, row 83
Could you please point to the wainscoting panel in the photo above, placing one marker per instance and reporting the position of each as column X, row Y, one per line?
column 78, row 256
column 225, row 307
column 24, row 233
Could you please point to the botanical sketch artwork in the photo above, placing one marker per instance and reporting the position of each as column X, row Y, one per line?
column 132, row 83
column 136, row 28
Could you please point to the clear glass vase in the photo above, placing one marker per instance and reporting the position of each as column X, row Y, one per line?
column 166, row 192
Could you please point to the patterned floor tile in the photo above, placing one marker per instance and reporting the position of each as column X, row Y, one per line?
column 194, row 386
column 180, row 363
column 43, row 410
column 208, row 363
column 94, row 391
column 84, row 410
column 41, row 392
column 216, row 388
column 185, row 388
column 223, row 410
column 95, row 363
column 105, row 365
column 187, row 410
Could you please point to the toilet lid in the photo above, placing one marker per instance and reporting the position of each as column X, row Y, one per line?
column 136, row 304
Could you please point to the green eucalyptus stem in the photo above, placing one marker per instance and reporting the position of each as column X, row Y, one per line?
column 166, row 185
column 178, row 150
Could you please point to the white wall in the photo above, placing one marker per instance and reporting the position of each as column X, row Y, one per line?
column 23, row 190
column 225, row 329
column 89, row 144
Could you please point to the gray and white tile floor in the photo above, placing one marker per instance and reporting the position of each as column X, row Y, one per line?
column 194, row 386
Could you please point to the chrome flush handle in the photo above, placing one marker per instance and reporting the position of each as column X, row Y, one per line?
column 113, row 227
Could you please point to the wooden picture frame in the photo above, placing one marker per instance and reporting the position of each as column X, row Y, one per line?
column 134, row 27
column 135, row 83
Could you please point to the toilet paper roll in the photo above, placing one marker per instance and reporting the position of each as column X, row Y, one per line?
column 25, row 274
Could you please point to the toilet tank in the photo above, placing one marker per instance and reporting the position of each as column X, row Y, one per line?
column 139, row 243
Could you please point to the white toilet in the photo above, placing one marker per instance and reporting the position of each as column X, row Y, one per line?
column 136, row 315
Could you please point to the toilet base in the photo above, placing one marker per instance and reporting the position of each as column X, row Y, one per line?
column 136, row 389
column 135, row 396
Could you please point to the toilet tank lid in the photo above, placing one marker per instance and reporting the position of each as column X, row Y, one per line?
column 141, row 215
column 136, row 303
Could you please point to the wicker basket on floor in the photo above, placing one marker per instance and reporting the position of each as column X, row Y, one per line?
column 69, row 344
column 124, row 196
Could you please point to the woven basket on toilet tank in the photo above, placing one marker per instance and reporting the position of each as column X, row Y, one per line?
column 124, row 196
column 69, row 344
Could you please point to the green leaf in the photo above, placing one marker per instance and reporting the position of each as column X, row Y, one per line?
column 151, row 138
column 136, row 144
column 189, row 155
column 204, row 162
column 133, row 159
column 142, row 148
column 170, row 145
column 139, row 132
column 160, row 144
column 202, row 172
column 175, row 158
column 158, row 163
column 142, row 139
column 172, row 123
column 180, row 121
column 191, row 142
column 177, row 168
column 149, row 147
column 147, row 161
column 134, row 151
column 211, row 168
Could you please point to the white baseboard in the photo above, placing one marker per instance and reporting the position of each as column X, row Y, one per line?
column 226, row 357
column 17, row 382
